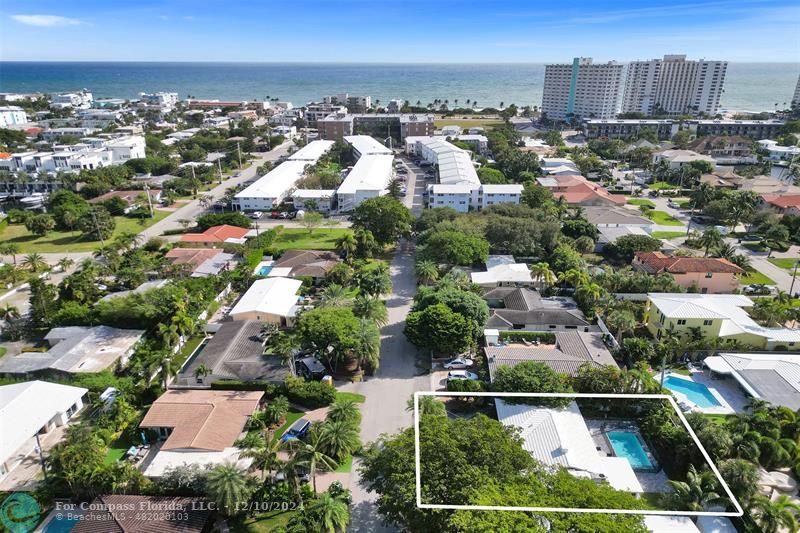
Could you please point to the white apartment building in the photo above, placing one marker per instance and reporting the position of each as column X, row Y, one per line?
column 125, row 148
column 395, row 105
column 674, row 86
column 78, row 100
column 164, row 101
column 322, row 199
column 370, row 176
column 582, row 89
column 356, row 104
column 280, row 182
column 12, row 116
column 315, row 112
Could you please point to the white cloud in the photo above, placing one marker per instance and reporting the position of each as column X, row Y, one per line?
column 45, row 21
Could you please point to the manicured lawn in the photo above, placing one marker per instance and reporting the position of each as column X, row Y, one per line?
column 466, row 122
column 719, row 419
column 3, row 350
column 641, row 201
column 754, row 276
column 667, row 234
column 293, row 416
column 683, row 203
column 187, row 350
column 70, row 241
column 755, row 247
column 117, row 449
column 786, row 263
column 262, row 523
column 662, row 185
column 358, row 398
column 663, row 219
column 301, row 239
column 346, row 465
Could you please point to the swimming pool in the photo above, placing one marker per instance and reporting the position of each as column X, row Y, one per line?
column 264, row 270
column 626, row 444
column 697, row 393
column 65, row 524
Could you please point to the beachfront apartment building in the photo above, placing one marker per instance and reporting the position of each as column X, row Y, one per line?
column 582, row 89
column 11, row 116
column 337, row 126
column 370, row 176
column 314, row 112
column 666, row 128
column 164, row 101
column 279, row 183
column 757, row 129
column 78, row 100
column 674, row 85
column 353, row 103
column 722, row 316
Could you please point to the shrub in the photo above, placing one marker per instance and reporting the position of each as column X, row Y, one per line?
column 530, row 336
column 310, row 394
column 465, row 385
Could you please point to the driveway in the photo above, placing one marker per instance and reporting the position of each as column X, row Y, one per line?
column 192, row 210
column 415, row 185
column 392, row 385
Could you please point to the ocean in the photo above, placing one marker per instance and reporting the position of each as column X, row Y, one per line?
column 748, row 86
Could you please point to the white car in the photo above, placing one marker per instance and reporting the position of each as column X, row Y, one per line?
column 454, row 375
column 256, row 215
column 458, row 362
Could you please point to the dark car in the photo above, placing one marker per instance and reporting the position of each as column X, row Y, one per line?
column 700, row 219
column 310, row 368
column 298, row 430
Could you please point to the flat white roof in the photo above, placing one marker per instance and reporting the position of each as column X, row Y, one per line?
column 277, row 181
column 312, row 151
column 366, row 145
column 512, row 273
column 670, row 524
column 313, row 193
column 26, row 407
column 501, row 188
column 561, row 437
column 167, row 459
column 270, row 296
column 371, row 172
column 456, row 188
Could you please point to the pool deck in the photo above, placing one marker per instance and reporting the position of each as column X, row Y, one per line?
column 725, row 390
column 650, row 481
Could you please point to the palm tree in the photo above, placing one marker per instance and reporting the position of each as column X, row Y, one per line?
column 184, row 323
column 428, row 405
column 169, row 334
column 206, row 200
column 338, row 439
column 184, row 222
column 726, row 251
column 368, row 340
column 427, row 272
column 9, row 313
column 327, row 514
column 65, row 263
column 541, row 272
column 775, row 515
column 574, row 277
column 128, row 240
column 344, row 411
column 201, row 371
column 346, row 246
column 265, row 456
column 167, row 370
column 334, row 296
column 622, row 321
column 712, row 238
column 310, row 454
column 10, row 249
column 698, row 491
column 34, row 262
column 742, row 261
column 371, row 308
column 228, row 487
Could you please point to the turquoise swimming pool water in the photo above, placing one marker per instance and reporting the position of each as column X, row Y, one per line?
column 697, row 393
column 66, row 524
column 626, row 444
column 265, row 270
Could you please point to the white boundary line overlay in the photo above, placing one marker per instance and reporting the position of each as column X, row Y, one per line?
column 739, row 511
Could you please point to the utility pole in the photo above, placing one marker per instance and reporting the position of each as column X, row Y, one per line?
column 97, row 227
column 239, row 151
column 794, row 276
column 149, row 199
column 41, row 456
column 219, row 165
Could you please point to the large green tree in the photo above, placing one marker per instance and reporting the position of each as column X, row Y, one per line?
column 440, row 329
column 385, row 217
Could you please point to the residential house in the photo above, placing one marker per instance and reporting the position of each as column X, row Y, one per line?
column 236, row 351
column 520, row 308
column 503, row 271
column 577, row 190
column 560, row 437
column 722, row 316
column 776, row 152
column 783, row 204
column 615, row 222
column 134, row 199
column 76, row 350
column 217, row 235
column 771, row 377
column 129, row 513
column 676, row 159
column 271, row 300
column 711, row 275
column 144, row 287
column 199, row 427
column 304, row 263
column 571, row 350
column 726, row 150
column 201, row 262
column 29, row 409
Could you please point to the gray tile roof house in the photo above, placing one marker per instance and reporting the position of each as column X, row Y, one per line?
column 615, row 216
column 572, row 349
column 525, row 309
column 235, row 352
column 76, row 349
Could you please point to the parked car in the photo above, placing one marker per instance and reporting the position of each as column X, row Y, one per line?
column 298, row 430
column 256, row 215
column 458, row 363
column 455, row 375
column 275, row 214
column 700, row 219
column 757, row 289
column 424, row 164
column 673, row 205
column 310, row 368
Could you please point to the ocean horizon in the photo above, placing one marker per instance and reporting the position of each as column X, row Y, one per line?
column 748, row 86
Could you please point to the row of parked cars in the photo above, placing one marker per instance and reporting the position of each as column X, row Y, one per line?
column 255, row 215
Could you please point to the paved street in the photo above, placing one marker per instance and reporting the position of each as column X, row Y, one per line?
column 393, row 384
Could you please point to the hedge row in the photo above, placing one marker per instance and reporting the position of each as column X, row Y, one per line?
column 544, row 337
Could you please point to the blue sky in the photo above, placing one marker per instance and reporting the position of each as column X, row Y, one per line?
column 397, row 31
